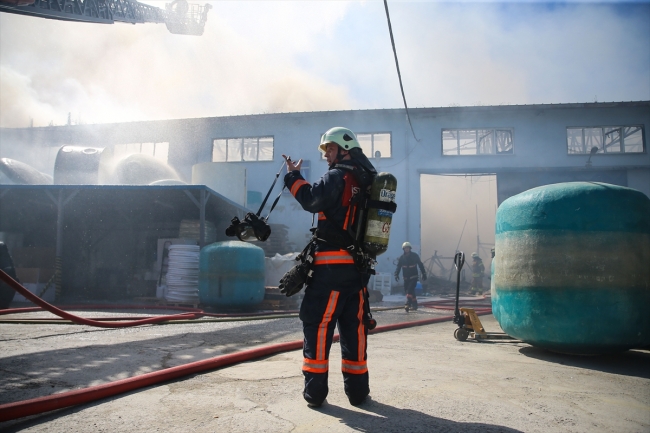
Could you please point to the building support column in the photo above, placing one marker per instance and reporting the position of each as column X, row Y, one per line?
column 60, row 202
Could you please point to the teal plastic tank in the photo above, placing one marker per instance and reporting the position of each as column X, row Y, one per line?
column 231, row 275
column 572, row 268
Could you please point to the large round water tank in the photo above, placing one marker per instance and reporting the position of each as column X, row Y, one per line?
column 231, row 274
column 572, row 268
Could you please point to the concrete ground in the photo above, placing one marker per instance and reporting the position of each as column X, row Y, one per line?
column 421, row 380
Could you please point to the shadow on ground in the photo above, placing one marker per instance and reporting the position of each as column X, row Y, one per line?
column 631, row 363
column 47, row 372
column 384, row 418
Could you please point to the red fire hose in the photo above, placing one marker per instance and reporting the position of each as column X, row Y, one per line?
column 83, row 321
column 39, row 405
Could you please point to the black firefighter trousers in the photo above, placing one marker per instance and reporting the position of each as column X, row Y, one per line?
column 334, row 297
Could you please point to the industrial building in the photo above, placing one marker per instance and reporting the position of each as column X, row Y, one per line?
column 237, row 157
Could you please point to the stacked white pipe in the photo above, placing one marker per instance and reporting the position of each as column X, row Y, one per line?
column 183, row 274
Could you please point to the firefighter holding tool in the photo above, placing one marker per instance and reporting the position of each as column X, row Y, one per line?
column 334, row 266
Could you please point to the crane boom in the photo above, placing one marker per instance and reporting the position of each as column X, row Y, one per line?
column 179, row 16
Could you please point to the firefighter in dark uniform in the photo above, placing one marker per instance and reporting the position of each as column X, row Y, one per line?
column 335, row 293
column 478, row 270
column 408, row 263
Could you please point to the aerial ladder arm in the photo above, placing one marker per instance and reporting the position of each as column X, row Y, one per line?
column 179, row 16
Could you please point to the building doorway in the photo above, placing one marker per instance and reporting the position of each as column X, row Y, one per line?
column 457, row 214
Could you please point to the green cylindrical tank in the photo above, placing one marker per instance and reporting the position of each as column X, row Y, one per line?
column 572, row 268
column 231, row 274
column 378, row 222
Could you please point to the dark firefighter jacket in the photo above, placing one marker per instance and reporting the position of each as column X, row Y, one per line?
column 478, row 269
column 332, row 198
column 408, row 264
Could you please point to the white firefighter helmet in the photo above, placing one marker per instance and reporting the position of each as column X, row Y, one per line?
column 343, row 137
column 406, row 244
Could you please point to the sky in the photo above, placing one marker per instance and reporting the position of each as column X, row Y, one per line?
column 267, row 56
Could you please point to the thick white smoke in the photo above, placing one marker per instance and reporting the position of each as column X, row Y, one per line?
column 267, row 56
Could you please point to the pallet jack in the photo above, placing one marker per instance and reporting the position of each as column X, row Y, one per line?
column 469, row 325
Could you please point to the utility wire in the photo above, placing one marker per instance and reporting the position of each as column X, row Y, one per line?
column 399, row 75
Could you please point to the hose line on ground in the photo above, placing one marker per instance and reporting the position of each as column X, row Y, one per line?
column 190, row 314
column 49, row 403
column 20, row 409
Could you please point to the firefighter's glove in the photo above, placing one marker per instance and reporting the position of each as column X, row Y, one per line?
column 396, row 277
column 424, row 277
column 292, row 282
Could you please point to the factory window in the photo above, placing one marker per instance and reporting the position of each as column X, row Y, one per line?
column 485, row 141
column 157, row 150
column 375, row 145
column 242, row 149
column 607, row 139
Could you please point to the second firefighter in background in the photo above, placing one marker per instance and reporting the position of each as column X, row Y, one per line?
column 408, row 264
column 478, row 270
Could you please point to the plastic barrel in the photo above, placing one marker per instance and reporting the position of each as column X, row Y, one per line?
column 572, row 268
column 231, row 275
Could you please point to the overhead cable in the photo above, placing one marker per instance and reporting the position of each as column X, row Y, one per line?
column 399, row 75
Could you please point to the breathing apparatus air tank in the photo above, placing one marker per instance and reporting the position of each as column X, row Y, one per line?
column 382, row 198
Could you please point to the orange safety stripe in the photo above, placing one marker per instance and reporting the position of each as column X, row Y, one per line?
column 296, row 186
column 361, row 335
column 340, row 257
column 321, row 336
column 321, row 216
column 315, row 366
column 354, row 367
column 347, row 218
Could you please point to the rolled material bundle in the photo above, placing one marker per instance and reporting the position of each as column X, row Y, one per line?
column 572, row 268
column 183, row 274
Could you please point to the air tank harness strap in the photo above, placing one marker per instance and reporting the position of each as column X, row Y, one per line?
column 368, row 321
column 389, row 206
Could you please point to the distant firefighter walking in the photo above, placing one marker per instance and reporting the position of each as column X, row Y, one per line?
column 408, row 264
column 478, row 270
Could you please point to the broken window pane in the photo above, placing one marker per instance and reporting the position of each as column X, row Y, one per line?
column 467, row 142
column 265, row 149
column 593, row 138
column 574, row 141
column 485, row 142
column 250, row 149
column 612, row 143
column 633, row 139
column 504, row 141
column 219, row 150
column 608, row 139
column 235, row 149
